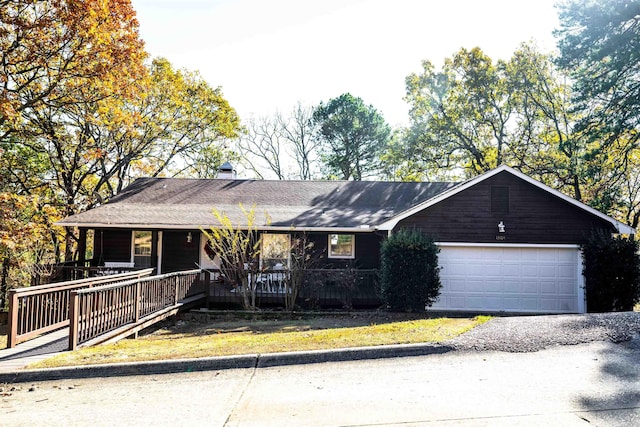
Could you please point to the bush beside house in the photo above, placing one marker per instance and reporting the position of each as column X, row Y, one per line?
column 409, row 271
column 612, row 273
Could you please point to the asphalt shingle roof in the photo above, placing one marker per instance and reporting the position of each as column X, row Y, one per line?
column 182, row 203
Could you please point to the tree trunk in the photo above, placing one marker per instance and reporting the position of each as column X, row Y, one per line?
column 576, row 188
column 68, row 244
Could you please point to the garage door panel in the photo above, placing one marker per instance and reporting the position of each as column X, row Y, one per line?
column 529, row 287
column 493, row 269
column 518, row 279
column 529, row 270
column 511, row 287
column 547, row 270
column 567, row 271
column 566, row 287
column 492, row 285
column 455, row 285
column 547, row 287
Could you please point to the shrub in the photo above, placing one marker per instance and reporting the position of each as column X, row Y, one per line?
column 612, row 273
column 409, row 272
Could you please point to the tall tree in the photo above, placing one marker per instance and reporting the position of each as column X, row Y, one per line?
column 262, row 146
column 54, row 55
column 474, row 115
column 96, row 147
column 549, row 149
column 460, row 115
column 50, row 50
column 599, row 44
column 281, row 145
column 297, row 129
column 353, row 136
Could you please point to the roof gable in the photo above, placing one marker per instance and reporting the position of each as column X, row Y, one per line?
column 390, row 224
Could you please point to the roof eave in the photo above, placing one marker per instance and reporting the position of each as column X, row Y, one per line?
column 209, row 226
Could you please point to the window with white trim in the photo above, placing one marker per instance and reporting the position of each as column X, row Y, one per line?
column 142, row 248
column 275, row 251
column 342, row 246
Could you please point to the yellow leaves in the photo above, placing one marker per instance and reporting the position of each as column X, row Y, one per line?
column 24, row 221
column 95, row 154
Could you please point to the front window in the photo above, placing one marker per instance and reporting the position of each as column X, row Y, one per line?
column 342, row 246
column 275, row 251
column 142, row 248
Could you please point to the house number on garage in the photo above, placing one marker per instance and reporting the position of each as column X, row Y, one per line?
column 501, row 237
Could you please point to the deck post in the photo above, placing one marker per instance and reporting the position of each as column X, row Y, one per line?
column 13, row 319
column 137, row 302
column 175, row 289
column 74, row 319
column 207, row 286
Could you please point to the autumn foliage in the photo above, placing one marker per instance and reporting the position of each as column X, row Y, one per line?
column 82, row 113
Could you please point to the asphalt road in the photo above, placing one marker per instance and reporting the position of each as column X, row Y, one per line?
column 596, row 383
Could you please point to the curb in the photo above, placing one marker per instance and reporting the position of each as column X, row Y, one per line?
column 222, row 362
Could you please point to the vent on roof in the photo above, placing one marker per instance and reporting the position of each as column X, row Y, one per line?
column 226, row 171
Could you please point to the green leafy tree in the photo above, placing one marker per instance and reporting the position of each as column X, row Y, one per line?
column 474, row 115
column 460, row 115
column 598, row 43
column 352, row 137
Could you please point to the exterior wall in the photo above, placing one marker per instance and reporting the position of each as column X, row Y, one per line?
column 111, row 245
column 367, row 254
column 177, row 253
column 534, row 216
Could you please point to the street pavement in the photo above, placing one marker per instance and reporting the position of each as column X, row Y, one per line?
column 595, row 383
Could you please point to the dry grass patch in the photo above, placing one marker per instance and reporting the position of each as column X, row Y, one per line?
column 3, row 336
column 183, row 340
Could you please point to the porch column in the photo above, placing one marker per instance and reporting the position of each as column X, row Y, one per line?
column 154, row 250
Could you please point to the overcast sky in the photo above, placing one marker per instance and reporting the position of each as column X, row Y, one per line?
column 269, row 54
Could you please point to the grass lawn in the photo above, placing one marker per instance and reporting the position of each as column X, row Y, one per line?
column 188, row 339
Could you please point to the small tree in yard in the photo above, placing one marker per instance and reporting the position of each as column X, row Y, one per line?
column 409, row 273
column 303, row 258
column 612, row 273
column 239, row 249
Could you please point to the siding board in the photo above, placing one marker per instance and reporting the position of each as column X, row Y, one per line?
column 177, row 253
column 534, row 216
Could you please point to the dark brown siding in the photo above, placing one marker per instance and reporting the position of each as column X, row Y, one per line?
column 367, row 251
column 534, row 216
column 177, row 253
column 111, row 245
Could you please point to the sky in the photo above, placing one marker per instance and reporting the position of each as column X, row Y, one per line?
column 268, row 55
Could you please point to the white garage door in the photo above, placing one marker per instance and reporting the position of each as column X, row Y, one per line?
column 511, row 279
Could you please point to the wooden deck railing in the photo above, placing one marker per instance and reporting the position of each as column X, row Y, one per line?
column 322, row 288
column 40, row 309
column 95, row 312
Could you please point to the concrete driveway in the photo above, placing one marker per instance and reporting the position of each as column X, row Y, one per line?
column 596, row 383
